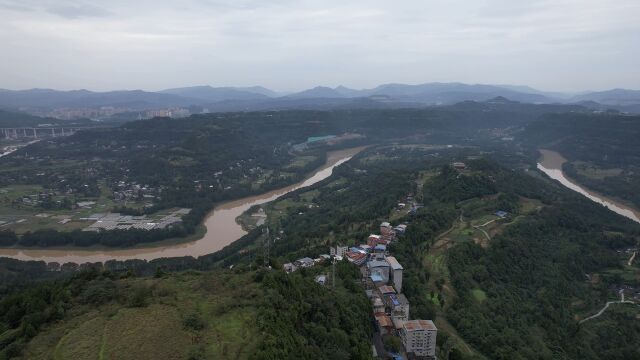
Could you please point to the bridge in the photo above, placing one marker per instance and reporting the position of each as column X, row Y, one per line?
column 37, row 132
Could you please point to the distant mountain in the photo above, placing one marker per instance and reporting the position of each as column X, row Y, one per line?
column 134, row 99
column 321, row 97
column 430, row 93
column 318, row 92
column 621, row 97
column 216, row 94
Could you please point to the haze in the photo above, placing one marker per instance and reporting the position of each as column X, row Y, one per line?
column 289, row 45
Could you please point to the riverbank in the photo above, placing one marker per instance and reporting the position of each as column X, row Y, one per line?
column 221, row 228
column 551, row 164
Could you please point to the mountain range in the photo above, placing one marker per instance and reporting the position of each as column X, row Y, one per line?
column 261, row 98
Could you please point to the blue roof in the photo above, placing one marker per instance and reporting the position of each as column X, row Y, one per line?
column 501, row 213
column 381, row 247
column 376, row 278
column 394, row 300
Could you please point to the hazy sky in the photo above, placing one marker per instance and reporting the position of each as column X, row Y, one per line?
column 289, row 45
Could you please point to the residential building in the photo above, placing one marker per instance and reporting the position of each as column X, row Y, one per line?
column 385, row 325
column 321, row 279
column 305, row 262
column 380, row 268
column 338, row 251
column 419, row 338
column 395, row 272
column 357, row 258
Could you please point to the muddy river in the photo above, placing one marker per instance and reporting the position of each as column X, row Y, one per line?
column 551, row 164
column 221, row 225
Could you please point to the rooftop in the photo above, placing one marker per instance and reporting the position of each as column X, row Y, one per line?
column 395, row 265
column 415, row 325
column 386, row 289
column 377, row 263
column 384, row 320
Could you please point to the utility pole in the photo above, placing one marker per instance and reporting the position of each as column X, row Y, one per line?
column 266, row 248
column 333, row 273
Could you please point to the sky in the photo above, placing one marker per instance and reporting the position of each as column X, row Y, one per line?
column 287, row 45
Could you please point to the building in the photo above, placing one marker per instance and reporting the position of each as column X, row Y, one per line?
column 377, row 267
column 338, row 251
column 357, row 258
column 459, row 165
column 398, row 306
column 385, row 325
column 289, row 267
column 321, row 279
column 386, row 290
column 387, row 232
column 374, row 240
column 419, row 338
column 395, row 272
column 305, row 262
column 400, row 229
column 380, row 249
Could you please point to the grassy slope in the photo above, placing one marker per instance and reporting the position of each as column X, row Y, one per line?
column 225, row 302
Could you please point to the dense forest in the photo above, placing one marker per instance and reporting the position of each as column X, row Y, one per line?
column 531, row 274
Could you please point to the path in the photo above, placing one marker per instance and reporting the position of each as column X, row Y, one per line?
column 479, row 227
column 621, row 301
column 632, row 258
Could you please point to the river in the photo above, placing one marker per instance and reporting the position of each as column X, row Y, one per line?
column 551, row 164
column 221, row 225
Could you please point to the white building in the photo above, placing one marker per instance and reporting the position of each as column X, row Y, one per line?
column 395, row 273
column 419, row 337
column 338, row 251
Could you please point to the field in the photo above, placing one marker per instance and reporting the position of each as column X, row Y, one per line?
column 198, row 315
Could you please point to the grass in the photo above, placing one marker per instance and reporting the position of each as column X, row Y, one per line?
column 226, row 303
column 592, row 171
column 301, row 161
column 479, row 295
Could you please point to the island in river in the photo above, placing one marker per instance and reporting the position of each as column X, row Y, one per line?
column 221, row 227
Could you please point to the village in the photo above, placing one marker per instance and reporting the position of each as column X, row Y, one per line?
column 382, row 280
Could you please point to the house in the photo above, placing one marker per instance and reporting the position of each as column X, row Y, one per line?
column 357, row 258
column 398, row 306
column 378, row 305
column 374, row 240
column 304, row 262
column 395, row 273
column 387, row 232
column 380, row 268
column 377, row 279
column 321, row 279
column 385, row 325
column 380, row 249
column 501, row 214
column 459, row 165
column 400, row 229
column 386, row 290
column 419, row 338
column 289, row 267
column 366, row 248
column 338, row 251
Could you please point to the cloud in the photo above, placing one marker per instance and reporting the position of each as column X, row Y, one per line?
column 553, row 44
column 78, row 11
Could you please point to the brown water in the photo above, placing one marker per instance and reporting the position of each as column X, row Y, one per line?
column 221, row 225
column 551, row 164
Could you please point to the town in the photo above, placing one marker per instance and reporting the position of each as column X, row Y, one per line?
column 382, row 281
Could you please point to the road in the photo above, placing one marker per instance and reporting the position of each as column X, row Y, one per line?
column 621, row 301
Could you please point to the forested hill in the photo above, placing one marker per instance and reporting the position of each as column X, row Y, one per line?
column 516, row 292
column 10, row 119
